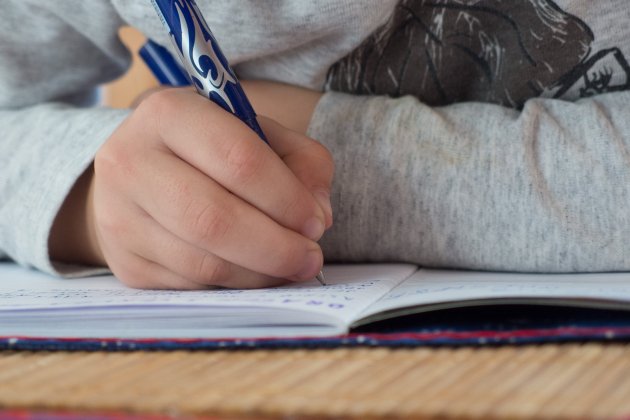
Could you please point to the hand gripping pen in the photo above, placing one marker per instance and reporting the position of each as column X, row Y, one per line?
column 205, row 64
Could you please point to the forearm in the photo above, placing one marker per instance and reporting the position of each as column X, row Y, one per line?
column 41, row 161
column 479, row 186
column 53, row 56
column 73, row 239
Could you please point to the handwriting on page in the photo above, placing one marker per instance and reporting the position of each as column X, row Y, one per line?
column 351, row 289
column 342, row 300
column 334, row 296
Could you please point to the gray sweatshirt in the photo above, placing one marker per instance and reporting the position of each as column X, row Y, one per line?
column 482, row 134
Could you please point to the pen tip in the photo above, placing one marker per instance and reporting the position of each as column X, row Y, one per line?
column 320, row 278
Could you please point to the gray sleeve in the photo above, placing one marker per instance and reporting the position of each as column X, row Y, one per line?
column 52, row 56
column 479, row 186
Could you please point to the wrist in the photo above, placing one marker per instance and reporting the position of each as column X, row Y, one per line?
column 73, row 236
column 291, row 106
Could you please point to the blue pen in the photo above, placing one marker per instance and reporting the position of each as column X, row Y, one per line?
column 204, row 62
column 163, row 65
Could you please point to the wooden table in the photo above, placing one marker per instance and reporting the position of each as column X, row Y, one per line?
column 560, row 381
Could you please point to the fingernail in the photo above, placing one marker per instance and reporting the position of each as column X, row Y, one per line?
column 323, row 198
column 312, row 266
column 313, row 229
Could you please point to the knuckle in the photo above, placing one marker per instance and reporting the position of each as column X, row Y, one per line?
column 325, row 158
column 132, row 276
column 179, row 189
column 244, row 161
column 212, row 271
column 112, row 160
column 298, row 207
column 156, row 103
column 288, row 260
column 111, row 225
column 158, row 108
column 146, row 94
column 209, row 223
column 319, row 156
column 321, row 151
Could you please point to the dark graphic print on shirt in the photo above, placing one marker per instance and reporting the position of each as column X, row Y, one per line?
column 498, row 51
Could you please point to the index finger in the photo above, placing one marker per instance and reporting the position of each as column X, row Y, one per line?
column 228, row 151
column 308, row 159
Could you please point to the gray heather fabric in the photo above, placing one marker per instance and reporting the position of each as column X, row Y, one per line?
column 539, row 187
column 480, row 186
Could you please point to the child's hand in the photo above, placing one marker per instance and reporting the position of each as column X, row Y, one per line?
column 184, row 195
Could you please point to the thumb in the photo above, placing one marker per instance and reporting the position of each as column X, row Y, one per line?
column 308, row 159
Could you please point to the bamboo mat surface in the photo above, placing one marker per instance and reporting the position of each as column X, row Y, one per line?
column 549, row 381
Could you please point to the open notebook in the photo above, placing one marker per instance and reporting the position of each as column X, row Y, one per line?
column 36, row 305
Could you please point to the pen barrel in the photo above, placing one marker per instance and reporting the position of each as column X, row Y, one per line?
column 203, row 60
column 243, row 108
column 163, row 65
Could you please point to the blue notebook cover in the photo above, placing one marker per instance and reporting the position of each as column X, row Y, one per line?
column 482, row 326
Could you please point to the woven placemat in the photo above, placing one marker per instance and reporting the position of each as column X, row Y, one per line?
column 561, row 381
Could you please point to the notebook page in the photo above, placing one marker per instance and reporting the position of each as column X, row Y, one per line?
column 427, row 287
column 352, row 288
